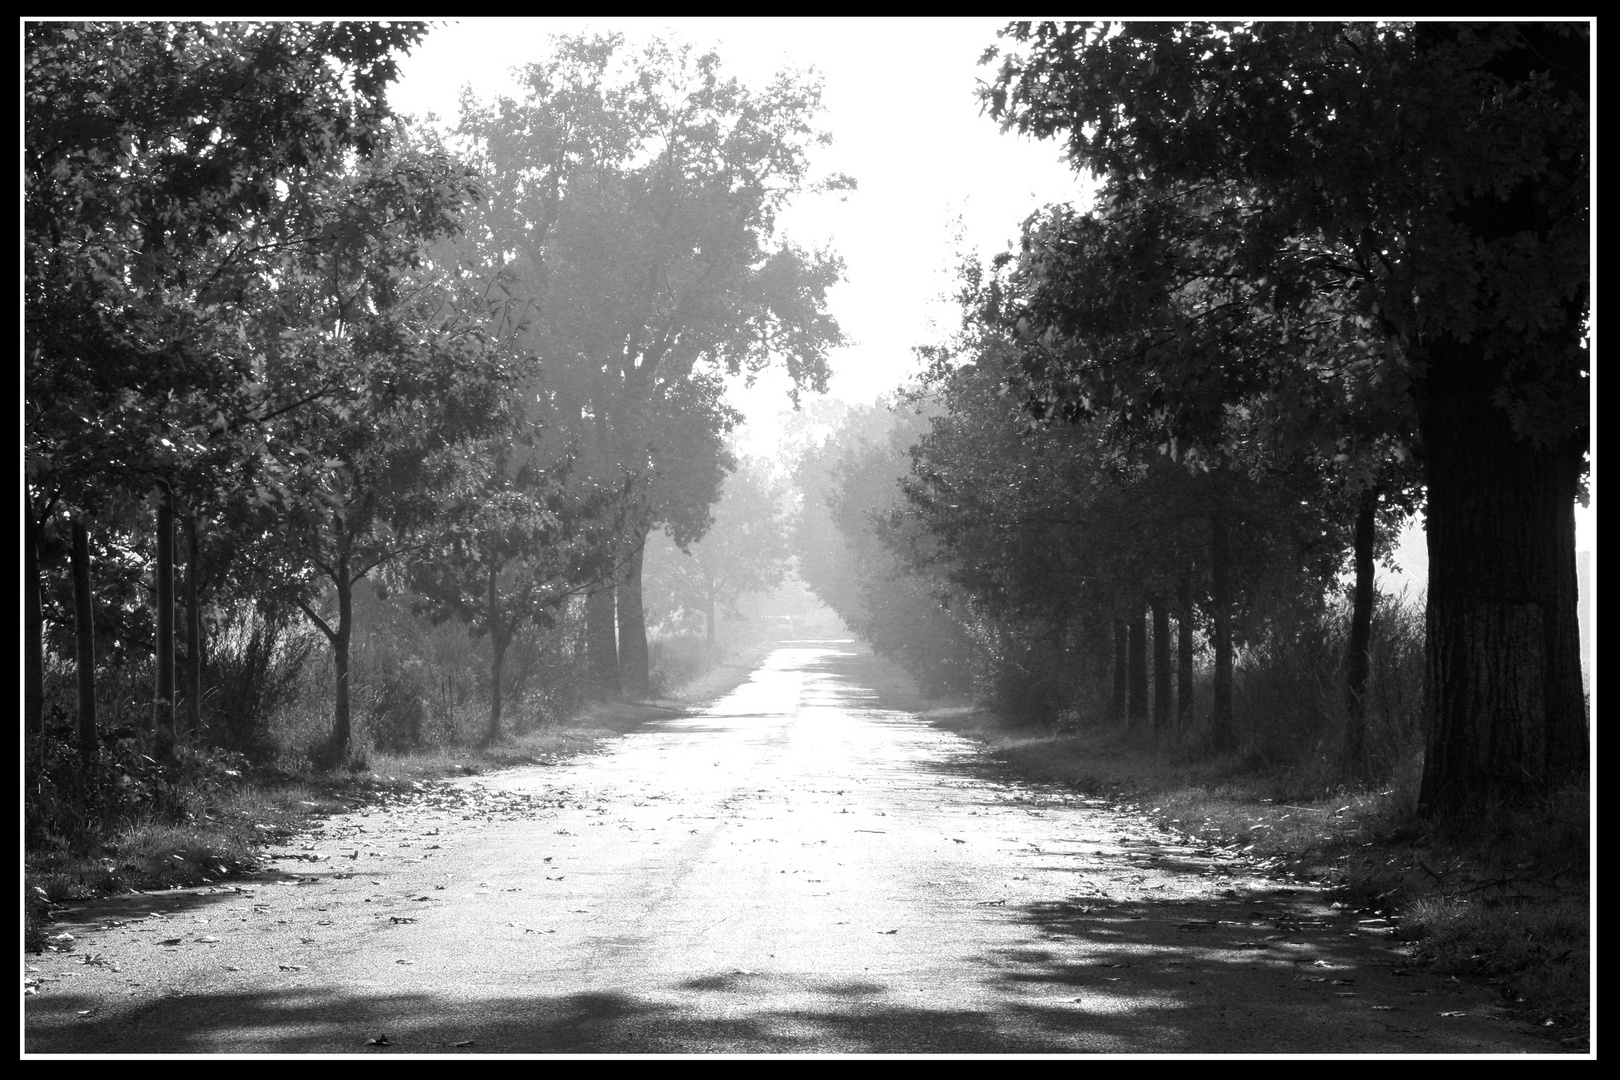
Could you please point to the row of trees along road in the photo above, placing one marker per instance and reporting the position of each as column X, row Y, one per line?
column 333, row 347
column 634, row 211
column 1369, row 238
column 747, row 550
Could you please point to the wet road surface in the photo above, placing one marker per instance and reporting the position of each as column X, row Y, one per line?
column 804, row 866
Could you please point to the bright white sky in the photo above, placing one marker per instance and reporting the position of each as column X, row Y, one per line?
column 936, row 178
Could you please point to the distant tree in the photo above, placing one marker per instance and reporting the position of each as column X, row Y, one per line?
column 857, row 556
column 745, row 550
column 635, row 204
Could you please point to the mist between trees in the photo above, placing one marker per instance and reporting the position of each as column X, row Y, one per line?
column 304, row 380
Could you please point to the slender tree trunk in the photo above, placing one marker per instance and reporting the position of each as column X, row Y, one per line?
column 601, row 644
column 1507, row 717
column 340, row 657
column 497, row 645
column 163, row 700
column 497, row 673
column 33, row 627
column 633, row 673
column 1357, row 661
column 1138, row 709
column 1184, row 653
column 1122, row 652
column 1221, row 733
column 708, row 615
column 194, row 645
column 84, row 639
column 1161, row 665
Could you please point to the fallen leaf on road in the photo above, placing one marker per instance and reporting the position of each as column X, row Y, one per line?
column 170, row 941
column 464, row 1042
column 1453, row 1014
column 381, row 1040
column 400, row 919
column 232, row 967
column 291, row 967
column 207, row 940
column 894, row 931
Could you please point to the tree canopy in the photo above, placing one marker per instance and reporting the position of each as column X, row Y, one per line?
column 1395, row 211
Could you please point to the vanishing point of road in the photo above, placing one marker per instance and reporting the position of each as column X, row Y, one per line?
column 805, row 865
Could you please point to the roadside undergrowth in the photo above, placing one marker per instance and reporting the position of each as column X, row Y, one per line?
column 1498, row 894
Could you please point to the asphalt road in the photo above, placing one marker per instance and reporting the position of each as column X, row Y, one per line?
column 803, row 866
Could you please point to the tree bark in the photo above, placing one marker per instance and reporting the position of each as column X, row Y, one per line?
column 340, row 659
column 194, row 646
column 498, row 643
column 1507, row 717
column 84, row 640
column 1121, row 671
column 33, row 626
column 1138, row 708
column 601, row 643
column 1184, row 653
column 1221, row 734
column 1358, row 661
column 163, row 699
column 633, row 671
column 1161, row 665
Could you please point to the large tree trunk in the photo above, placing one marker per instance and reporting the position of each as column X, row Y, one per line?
column 84, row 640
column 1184, row 653
column 163, row 699
column 33, row 627
column 1357, row 661
column 633, row 673
column 194, row 645
column 1503, row 695
column 1122, row 668
column 1138, row 709
column 1161, row 666
column 340, row 660
column 601, row 644
column 1221, row 733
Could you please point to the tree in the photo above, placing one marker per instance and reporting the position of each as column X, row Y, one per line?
column 745, row 550
column 636, row 202
column 158, row 158
column 859, row 558
column 1433, row 180
column 393, row 371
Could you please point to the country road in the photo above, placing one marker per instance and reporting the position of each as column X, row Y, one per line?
column 802, row 866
